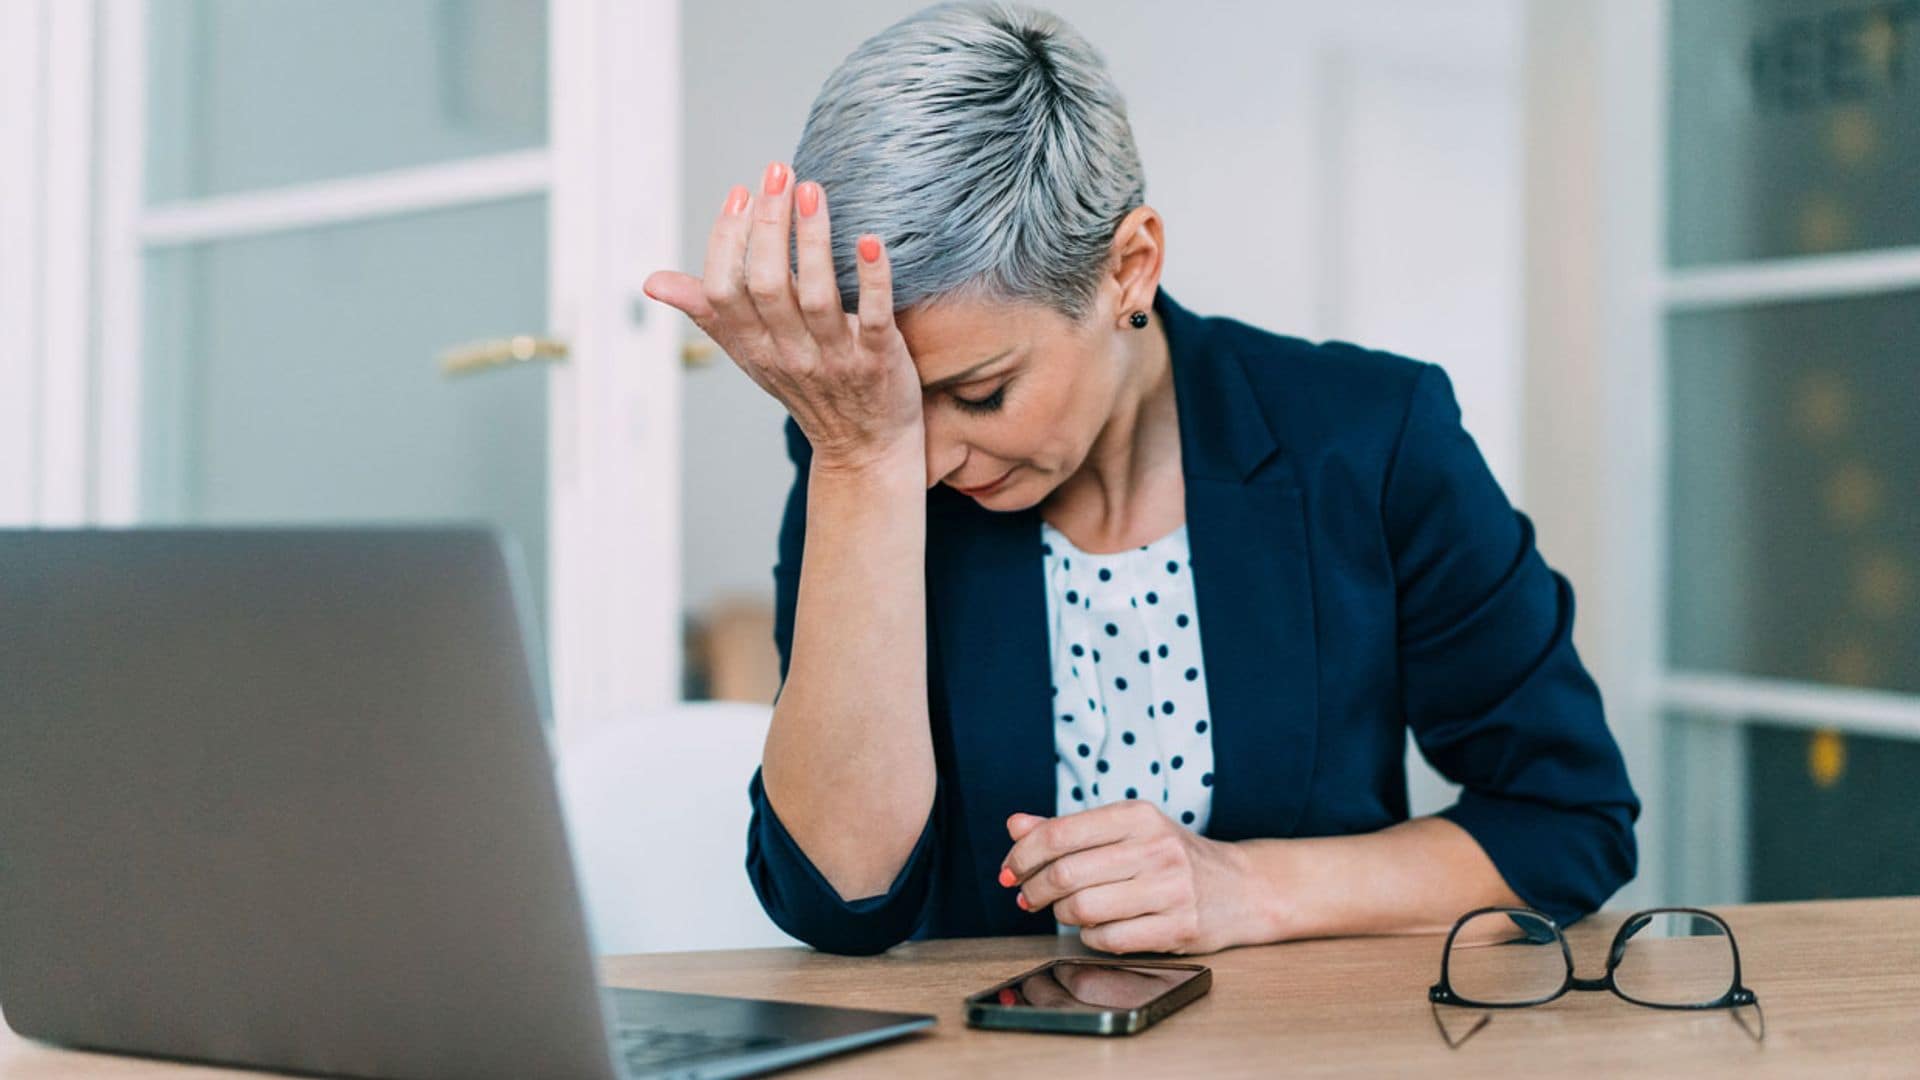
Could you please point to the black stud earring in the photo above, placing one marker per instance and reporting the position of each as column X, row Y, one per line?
column 1139, row 320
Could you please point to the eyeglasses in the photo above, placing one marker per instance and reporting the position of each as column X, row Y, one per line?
column 1663, row 958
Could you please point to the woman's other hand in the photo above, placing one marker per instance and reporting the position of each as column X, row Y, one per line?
column 848, row 379
column 1133, row 880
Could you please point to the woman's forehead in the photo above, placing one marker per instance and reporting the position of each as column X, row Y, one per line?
column 957, row 334
column 966, row 316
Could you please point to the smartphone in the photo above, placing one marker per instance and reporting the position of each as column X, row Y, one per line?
column 1089, row 997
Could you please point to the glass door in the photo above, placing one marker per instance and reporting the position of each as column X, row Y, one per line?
column 314, row 237
column 1790, row 674
column 365, row 265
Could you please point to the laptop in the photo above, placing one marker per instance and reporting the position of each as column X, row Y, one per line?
column 285, row 798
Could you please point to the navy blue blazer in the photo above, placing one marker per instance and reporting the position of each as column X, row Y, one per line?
column 1358, row 573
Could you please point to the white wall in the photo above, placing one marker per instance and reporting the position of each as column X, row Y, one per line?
column 1409, row 137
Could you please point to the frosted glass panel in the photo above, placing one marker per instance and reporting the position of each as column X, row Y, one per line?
column 1759, row 811
column 293, row 377
column 1794, row 508
column 1794, row 127
column 248, row 94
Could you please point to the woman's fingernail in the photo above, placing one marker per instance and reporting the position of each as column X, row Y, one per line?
column 807, row 198
column 776, row 178
column 1006, row 876
column 737, row 200
column 1021, row 899
column 870, row 249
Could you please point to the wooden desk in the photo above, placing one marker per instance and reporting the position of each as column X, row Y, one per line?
column 1840, row 981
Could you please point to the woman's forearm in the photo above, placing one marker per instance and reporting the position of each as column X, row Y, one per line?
column 1414, row 877
column 848, row 764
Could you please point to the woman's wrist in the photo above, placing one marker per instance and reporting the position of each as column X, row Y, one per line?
column 905, row 456
column 1273, row 886
column 886, row 487
column 1412, row 877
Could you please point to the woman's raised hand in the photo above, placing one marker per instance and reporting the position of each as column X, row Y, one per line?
column 847, row 379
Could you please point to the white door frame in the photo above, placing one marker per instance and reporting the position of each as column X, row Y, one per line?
column 1595, row 104
column 614, row 484
column 70, row 289
column 46, row 102
column 21, row 96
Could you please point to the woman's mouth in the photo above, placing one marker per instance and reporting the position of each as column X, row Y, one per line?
column 984, row 489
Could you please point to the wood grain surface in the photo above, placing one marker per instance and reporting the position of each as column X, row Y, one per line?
column 1839, row 980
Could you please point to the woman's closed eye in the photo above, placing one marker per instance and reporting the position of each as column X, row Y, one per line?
column 986, row 404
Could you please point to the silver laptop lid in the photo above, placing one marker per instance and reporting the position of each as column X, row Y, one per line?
column 283, row 797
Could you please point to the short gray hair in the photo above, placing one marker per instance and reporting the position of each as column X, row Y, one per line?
column 986, row 144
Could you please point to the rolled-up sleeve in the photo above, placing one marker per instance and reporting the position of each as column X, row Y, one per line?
column 1496, row 697
column 796, row 895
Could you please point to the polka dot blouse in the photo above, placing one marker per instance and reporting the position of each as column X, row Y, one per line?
column 1129, row 686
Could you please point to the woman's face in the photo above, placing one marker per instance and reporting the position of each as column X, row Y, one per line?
column 1014, row 396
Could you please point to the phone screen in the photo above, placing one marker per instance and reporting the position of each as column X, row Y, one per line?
column 1080, row 986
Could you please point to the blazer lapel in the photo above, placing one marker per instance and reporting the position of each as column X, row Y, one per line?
column 1252, row 578
column 1250, row 575
column 986, row 597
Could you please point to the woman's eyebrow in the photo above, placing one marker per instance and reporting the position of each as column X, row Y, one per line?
column 962, row 376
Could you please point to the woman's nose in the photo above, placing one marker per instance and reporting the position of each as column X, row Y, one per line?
column 944, row 458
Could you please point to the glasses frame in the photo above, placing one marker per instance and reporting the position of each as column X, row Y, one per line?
column 1736, row 995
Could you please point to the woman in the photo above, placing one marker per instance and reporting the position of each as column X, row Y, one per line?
column 1112, row 615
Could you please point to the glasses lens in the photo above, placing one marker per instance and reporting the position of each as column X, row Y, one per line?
column 1503, row 958
column 1674, row 958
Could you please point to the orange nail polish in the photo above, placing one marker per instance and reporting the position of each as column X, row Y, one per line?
column 807, row 198
column 870, row 249
column 737, row 200
column 1006, row 876
column 1021, row 899
column 776, row 178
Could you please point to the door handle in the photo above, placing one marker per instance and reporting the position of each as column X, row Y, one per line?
column 697, row 352
column 500, row 352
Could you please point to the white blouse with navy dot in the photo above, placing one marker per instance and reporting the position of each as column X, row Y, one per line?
column 1129, row 685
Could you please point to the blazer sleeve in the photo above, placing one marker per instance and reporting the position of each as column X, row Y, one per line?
column 796, row 895
column 1492, row 689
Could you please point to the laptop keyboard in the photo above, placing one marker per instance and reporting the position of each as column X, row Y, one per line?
column 643, row 1047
